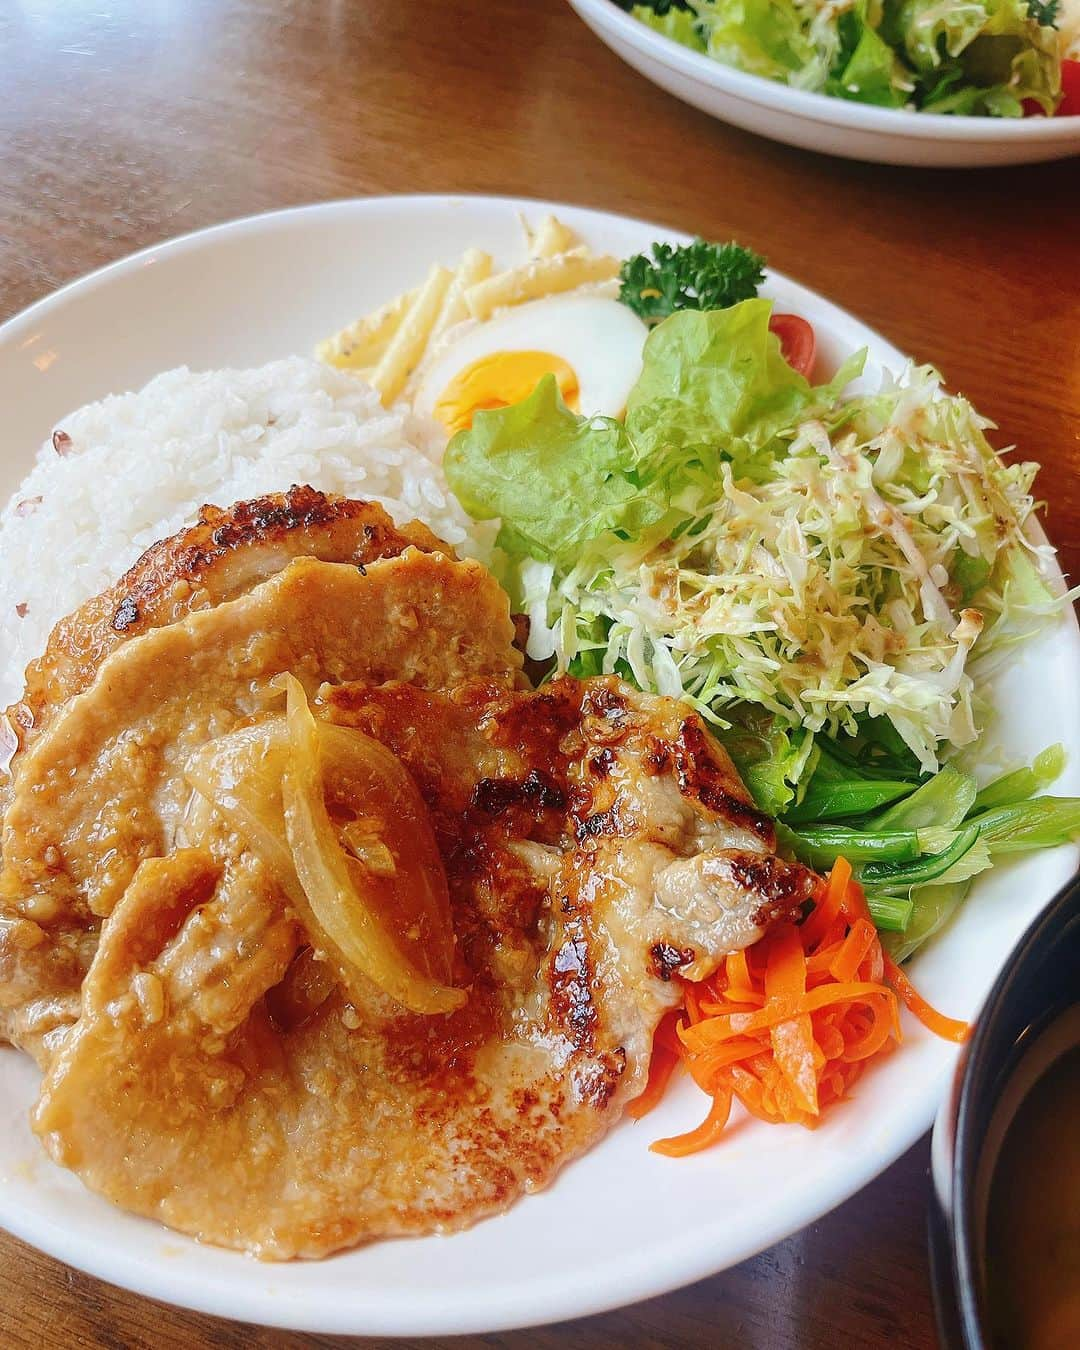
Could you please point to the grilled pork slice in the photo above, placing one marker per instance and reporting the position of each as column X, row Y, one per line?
column 595, row 841
column 223, row 555
column 209, row 1059
column 102, row 787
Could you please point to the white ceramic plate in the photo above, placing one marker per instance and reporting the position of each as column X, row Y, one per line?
column 622, row 1223
column 819, row 122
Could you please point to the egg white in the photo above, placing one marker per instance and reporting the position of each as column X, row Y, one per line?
column 599, row 338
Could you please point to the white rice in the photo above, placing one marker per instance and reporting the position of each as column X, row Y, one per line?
column 140, row 465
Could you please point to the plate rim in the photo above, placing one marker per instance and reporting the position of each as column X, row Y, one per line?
column 601, row 1287
column 824, row 109
column 257, row 221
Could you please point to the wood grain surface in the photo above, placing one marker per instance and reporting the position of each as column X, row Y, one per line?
column 123, row 122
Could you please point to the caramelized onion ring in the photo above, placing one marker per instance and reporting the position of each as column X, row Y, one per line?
column 389, row 925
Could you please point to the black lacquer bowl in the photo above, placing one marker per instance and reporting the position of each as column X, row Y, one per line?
column 1040, row 984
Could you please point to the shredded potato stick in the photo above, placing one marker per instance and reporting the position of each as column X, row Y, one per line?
column 551, row 237
column 363, row 342
column 386, row 346
column 407, row 345
column 540, row 276
column 788, row 1026
column 475, row 266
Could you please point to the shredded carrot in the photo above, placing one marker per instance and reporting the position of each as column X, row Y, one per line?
column 854, row 906
column 692, row 998
column 738, row 972
column 948, row 1028
column 845, row 964
column 708, row 1132
column 827, row 909
column 792, row 1039
column 788, row 1026
column 664, row 1062
column 661, row 1067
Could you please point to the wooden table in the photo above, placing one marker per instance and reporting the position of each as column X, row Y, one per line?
column 122, row 123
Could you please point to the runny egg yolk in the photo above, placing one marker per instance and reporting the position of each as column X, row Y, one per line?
column 499, row 379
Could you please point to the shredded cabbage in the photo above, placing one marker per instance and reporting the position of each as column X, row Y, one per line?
column 828, row 589
column 826, row 558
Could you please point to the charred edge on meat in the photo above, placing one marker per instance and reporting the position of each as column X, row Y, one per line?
column 601, row 701
column 597, row 1082
column 601, row 762
column 784, row 887
column 540, row 725
column 698, row 776
column 668, row 960
column 127, row 613
column 299, row 508
column 218, row 533
column 493, row 796
column 607, row 822
column 657, row 756
column 571, row 994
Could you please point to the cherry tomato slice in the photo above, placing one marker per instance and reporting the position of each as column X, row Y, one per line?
column 1070, row 88
column 797, row 341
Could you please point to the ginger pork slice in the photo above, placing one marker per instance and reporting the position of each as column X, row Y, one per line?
column 101, row 787
column 596, row 841
column 224, row 554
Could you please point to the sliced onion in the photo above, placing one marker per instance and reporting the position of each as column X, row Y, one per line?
column 240, row 774
column 369, row 918
column 383, row 913
column 363, row 842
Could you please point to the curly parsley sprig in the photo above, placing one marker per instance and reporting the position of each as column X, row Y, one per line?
column 692, row 276
column 1044, row 12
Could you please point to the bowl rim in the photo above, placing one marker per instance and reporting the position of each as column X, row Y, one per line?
column 973, row 1072
column 823, row 108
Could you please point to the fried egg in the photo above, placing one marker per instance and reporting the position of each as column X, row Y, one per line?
column 591, row 345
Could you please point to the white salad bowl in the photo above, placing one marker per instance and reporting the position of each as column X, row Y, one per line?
column 833, row 126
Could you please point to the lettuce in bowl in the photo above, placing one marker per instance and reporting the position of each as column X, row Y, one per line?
column 974, row 57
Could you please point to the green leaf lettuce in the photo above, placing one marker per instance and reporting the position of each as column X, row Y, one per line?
column 717, row 379
column 557, row 480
